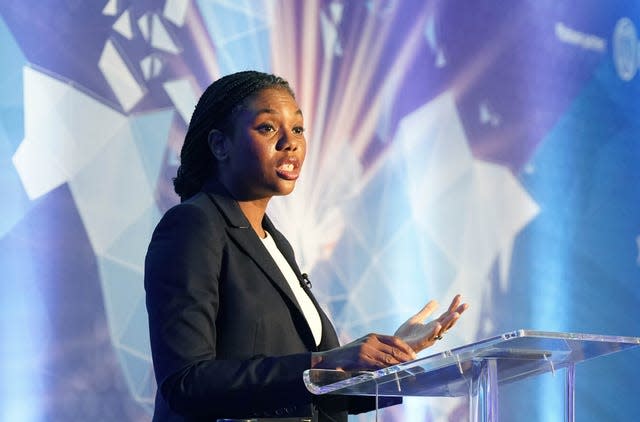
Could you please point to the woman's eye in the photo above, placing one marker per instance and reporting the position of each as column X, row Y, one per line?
column 298, row 130
column 265, row 128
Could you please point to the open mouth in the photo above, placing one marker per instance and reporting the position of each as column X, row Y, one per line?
column 289, row 169
column 286, row 167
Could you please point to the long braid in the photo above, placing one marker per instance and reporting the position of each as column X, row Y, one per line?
column 215, row 110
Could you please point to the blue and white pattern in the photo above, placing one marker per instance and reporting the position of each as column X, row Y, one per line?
column 491, row 149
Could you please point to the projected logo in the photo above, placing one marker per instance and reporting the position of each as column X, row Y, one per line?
column 626, row 49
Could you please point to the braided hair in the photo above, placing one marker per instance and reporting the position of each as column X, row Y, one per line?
column 215, row 110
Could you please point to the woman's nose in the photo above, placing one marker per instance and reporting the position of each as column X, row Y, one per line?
column 290, row 141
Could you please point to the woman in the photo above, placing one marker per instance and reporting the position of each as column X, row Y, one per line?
column 233, row 326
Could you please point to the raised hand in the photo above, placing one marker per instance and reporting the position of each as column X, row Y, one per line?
column 420, row 335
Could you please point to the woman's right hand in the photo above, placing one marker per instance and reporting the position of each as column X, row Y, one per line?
column 373, row 351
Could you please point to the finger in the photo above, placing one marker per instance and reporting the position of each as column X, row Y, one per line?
column 459, row 307
column 397, row 348
column 453, row 307
column 462, row 308
column 446, row 317
column 396, row 342
column 400, row 351
column 455, row 302
column 369, row 361
column 376, row 358
column 450, row 322
column 458, row 310
column 425, row 311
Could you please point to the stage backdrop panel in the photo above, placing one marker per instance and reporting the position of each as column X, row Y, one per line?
column 485, row 148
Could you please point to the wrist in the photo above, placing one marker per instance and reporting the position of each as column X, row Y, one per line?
column 316, row 359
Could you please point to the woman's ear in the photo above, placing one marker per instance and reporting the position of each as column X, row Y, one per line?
column 219, row 144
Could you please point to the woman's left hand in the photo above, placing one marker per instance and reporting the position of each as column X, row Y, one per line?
column 419, row 335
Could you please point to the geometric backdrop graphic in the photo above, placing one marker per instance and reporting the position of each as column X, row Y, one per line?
column 482, row 148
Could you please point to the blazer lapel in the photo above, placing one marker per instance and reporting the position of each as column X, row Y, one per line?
column 329, row 337
column 241, row 232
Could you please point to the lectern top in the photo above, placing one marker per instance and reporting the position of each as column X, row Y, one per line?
column 518, row 354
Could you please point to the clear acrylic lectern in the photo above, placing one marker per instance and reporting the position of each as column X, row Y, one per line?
column 476, row 370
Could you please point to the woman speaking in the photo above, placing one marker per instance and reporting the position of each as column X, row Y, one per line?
column 233, row 324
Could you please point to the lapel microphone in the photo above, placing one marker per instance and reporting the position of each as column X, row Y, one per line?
column 305, row 281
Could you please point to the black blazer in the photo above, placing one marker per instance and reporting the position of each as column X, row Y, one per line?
column 228, row 337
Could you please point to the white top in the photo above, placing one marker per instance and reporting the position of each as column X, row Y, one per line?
column 308, row 309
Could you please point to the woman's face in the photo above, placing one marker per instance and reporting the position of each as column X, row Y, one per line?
column 267, row 148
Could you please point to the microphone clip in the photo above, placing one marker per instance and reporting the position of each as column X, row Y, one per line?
column 305, row 281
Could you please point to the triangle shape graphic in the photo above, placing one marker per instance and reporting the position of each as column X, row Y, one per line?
column 123, row 25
